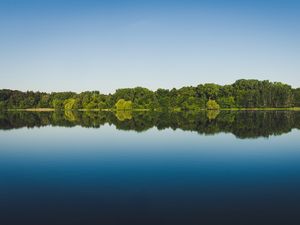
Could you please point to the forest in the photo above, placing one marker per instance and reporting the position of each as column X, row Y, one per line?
column 241, row 94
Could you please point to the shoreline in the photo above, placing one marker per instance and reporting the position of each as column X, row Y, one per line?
column 147, row 110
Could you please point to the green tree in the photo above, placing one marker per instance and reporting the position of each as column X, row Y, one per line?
column 212, row 91
column 226, row 102
column 2, row 105
column 212, row 105
column 242, row 94
column 69, row 104
column 296, row 93
column 123, row 105
column 44, row 101
column 58, row 104
column 163, row 98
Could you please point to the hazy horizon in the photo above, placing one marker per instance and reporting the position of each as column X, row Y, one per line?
column 105, row 45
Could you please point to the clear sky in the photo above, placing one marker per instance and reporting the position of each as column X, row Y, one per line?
column 60, row 45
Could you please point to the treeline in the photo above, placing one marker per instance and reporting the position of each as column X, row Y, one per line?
column 241, row 94
column 243, row 124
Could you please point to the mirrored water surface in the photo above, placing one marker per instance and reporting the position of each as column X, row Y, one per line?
column 214, row 167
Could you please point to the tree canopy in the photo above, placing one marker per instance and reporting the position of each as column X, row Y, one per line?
column 241, row 94
column 212, row 105
column 123, row 105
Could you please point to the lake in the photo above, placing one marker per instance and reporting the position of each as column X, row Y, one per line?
column 239, row 167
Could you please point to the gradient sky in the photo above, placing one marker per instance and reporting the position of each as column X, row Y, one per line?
column 56, row 45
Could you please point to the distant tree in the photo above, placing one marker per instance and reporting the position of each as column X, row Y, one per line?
column 212, row 105
column 58, row 104
column 226, row 102
column 69, row 103
column 102, row 105
column 296, row 93
column 212, row 91
column 2, row 105
column 241, row 94
column 44, row 101
column 78, row 103
column 91, row 105
column 123, row 105
column 128, row 105
column 163, row 98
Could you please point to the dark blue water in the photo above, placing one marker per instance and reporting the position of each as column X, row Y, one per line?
column 59, row 175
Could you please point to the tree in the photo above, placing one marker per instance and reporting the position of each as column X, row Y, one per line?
column 241, row 94
column 123, row 105
column 211, row 91
column 296, row 93
column 69, row 103
column 226, row 102
column 44, row 101
column 212, row 105
column 163, row 98
column 58, row 104
column 2, row 105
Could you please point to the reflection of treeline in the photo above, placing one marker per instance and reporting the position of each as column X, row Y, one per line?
column 241, row 94
column 243, row 124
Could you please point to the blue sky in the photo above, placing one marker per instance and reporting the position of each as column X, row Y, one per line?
column 104, row 45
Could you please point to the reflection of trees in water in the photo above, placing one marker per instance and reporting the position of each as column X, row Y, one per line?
column 212, row 114
column 69, row 115
column 124, row 115
column 243, row 124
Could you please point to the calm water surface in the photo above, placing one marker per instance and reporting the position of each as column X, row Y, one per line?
column 101, row 168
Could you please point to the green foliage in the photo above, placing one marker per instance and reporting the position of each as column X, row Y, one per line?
column 254, row 93
column 296, row 93
column 123, row 105
column 211, row 91
column 69, row 103
column 2, row 105
column 212, row 105
column 163, row 98
column 58, row 104
column 91, row 105
column 78, row 103
column 241, row 94
column 44, row 101
column 226, row 102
